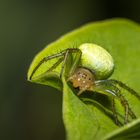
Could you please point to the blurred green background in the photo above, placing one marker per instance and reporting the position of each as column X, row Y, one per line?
column 29, row 111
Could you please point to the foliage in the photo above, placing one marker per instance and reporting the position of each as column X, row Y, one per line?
column 92, row 119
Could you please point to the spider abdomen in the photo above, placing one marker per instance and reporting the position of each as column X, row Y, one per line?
column 96, row 58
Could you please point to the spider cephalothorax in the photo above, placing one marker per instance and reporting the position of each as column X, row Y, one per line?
column 88, row 58
column 83, row 79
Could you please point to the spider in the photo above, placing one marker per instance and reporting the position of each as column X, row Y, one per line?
column 89, row 70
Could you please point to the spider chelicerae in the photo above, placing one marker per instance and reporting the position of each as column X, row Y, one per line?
column 91, row 75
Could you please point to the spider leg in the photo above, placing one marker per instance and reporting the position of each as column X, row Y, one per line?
column 130, row 90
column 103, row 87
column 110, row 85
column 64, row 62
column 64, row 55
column 128, row 110
column 126, row 107
column 114, row 112
column 102, row 108
column 81, row 91
column 107, row 87
column 75, row 63
column 55, row 64
column 45, row 59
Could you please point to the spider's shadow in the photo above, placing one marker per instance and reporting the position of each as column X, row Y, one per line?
column 98, row 97
column 102, row 99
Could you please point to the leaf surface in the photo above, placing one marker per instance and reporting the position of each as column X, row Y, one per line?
column 121, row 38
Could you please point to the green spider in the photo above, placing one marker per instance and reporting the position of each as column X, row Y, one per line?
column 91, row 67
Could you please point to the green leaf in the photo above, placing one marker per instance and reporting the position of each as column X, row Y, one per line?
column 84, row 121
column 129, row 132
column 121, row 38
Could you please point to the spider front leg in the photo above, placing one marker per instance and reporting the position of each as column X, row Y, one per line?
column 106, row 87
column 45, row 59
column 62, row 57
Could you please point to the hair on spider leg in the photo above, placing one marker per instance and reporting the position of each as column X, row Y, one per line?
column 74, row 44
column 59, row 50
column 79, row 41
